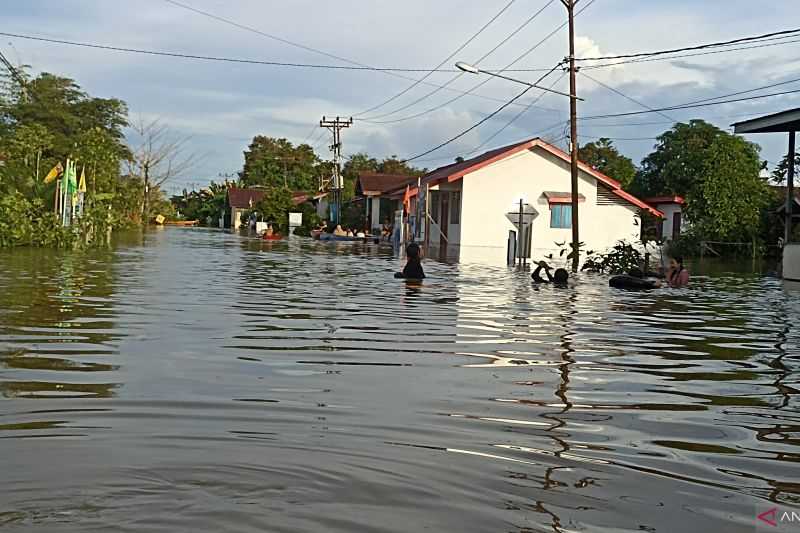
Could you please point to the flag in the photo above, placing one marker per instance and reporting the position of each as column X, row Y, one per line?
column 407, row 199
column 82, row 184
column 55, row 172
column 72, row 178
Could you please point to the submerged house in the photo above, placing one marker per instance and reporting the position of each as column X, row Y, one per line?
column 469, row 202
column 379, row 194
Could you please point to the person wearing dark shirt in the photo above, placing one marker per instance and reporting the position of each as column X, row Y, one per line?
column 560, row 277
column 413, row 268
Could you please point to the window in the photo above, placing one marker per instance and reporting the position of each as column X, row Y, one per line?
column 455, row 208
column 434, row 206
column 561, row 216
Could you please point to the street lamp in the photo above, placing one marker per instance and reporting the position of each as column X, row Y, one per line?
column 472, row 69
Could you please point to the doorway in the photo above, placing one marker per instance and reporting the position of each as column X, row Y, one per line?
column 676, row 225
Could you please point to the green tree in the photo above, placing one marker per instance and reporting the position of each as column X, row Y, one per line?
column 728, row 201
column 782, row 169
column 603, row 156
column 271, row 162
column 275, row 208
column 716, row 172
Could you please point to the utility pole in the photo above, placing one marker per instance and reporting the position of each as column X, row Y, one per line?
column 336, row 126
column 573, row 126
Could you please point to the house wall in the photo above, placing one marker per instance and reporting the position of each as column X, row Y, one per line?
column 453, row 229
column 236, row 217
column 669, row 211
column 491, row 192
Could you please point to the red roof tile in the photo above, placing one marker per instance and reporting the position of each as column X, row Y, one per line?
column 244, row 198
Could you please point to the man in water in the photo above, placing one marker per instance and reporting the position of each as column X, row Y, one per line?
column 413, row 268
column 559, row 278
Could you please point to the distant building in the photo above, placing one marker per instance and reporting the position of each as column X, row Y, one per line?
column 240, row 201
column 379, row 194
column 469, row 202
column 674, row 223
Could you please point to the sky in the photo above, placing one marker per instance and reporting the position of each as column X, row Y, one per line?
column 220, row 106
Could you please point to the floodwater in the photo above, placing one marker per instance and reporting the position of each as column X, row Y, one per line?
column 201, row 381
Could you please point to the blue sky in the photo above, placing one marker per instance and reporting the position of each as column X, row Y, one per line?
column 221, row 106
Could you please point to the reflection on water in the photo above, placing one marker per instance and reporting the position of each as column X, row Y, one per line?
column 199, row 380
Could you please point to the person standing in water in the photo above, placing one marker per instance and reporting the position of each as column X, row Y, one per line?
column 413, row 268
column 677, row 276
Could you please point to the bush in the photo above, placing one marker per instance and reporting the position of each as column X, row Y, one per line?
column 622, row 258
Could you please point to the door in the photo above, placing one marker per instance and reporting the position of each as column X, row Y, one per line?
column 676, row 225
column 444, row 219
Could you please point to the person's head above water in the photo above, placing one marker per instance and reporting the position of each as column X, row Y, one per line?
column 560, row 276
column 412, row 251
column 676, row 263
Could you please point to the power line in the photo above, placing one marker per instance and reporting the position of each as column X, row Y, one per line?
column 696, row 54
column 390, row 72
column 689, row 106
column 620, row 93
column 484, row 82
column 447, row 59
column 690, row 48
column 456, row 77
column 488, row 117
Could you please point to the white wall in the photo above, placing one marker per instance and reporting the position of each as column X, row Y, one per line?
column 669, row 211
column 489, row 193
column 791, row 262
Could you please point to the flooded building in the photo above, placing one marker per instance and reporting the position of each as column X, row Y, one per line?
column 469, row 202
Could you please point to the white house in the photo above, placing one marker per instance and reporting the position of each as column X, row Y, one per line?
column 673, row 222
column 468, row 203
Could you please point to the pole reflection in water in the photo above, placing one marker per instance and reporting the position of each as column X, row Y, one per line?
column 207, row 381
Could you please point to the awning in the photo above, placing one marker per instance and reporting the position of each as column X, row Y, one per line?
column 785, row 121
column 561, row 197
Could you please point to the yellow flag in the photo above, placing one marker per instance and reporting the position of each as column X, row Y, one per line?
column 55, row 172
column 82, row 184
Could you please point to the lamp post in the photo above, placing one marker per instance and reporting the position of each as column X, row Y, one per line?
column 466, row 67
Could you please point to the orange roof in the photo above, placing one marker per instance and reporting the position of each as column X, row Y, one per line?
column 457, row 171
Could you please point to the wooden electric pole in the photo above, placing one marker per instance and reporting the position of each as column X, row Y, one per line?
column 335, row 126
column 573, row 127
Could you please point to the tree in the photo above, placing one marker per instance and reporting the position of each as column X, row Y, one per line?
column 727, row 203
column 159, row 157
column 677, row 161
column 275, row 208
column 716, row 172
column 603, row 156
column 780, row 172
column 271, row 162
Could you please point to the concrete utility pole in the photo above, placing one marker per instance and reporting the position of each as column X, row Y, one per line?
column 573, row 126
column 787, row 228
column 335, row 126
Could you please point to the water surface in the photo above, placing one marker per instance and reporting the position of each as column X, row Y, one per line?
column 203, row 381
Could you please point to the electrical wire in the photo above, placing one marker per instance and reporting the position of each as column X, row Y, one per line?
column 690, row 106
column 620, row 93
column 446, row 60
column 691, row 48
column 474, row 126
column 456, row 77
column 391, row 72
column 696, row 54
column 484, row 82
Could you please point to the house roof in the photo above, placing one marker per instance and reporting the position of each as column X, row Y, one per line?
column 457, row 171
column 785, row 121
column 376, row 184
column 244, row 198
column 656, row 200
